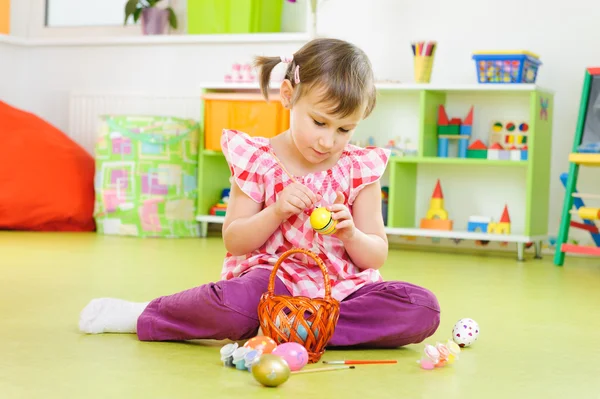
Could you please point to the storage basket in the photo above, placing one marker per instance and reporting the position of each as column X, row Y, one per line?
column 146, row 176
column 506, row 67
column 246, row 112
column 233, row 16
column 307, row 321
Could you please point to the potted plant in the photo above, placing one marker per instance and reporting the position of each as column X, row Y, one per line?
column 154, row 19
column 313, row 16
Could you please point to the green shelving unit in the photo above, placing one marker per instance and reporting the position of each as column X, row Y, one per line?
column 403, row 171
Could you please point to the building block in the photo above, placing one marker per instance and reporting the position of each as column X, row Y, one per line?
column 437, row 217
column 466, row 130
column 494, row 151
column 462, row 147
column 442, row 117
column 477, row 150
column 515, row 154
column 448, row 129
column 442, row 147
column 503, row 226
column 436, row 224
column 504, row 155
column 478, row 224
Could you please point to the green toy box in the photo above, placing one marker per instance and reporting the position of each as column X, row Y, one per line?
column 233, row 16
column 146, row 176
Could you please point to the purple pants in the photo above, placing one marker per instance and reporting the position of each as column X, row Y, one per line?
column 380, row 315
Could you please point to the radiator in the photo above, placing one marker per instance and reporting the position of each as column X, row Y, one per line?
column 85, row 109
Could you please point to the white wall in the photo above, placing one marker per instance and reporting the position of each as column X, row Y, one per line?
column 384, row 29
column 12, row 87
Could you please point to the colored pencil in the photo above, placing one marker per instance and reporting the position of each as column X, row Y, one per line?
column 360, row 361
column 319, row 369
column 424, row 48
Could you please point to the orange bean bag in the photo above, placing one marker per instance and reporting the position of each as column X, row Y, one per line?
column 46, row 179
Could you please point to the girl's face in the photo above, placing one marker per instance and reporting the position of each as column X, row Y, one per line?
column 317, row 134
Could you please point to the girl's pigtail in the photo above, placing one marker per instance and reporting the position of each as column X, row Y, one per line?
column 265, row 66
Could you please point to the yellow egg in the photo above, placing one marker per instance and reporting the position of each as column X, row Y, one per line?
column 271, row 370
column 321, row 221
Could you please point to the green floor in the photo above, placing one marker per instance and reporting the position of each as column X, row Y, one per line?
column 539, row 326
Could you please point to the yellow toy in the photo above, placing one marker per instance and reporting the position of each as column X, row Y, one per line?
column 503, row 226
column 437, row 216
column 322, row 222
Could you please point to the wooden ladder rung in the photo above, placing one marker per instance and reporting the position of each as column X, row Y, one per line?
column 586, row 159
column 583, row 226
column 580, row 249
column 586, row 196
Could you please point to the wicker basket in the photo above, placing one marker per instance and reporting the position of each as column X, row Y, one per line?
column 307, row 321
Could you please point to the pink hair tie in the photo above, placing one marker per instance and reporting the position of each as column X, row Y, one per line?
column 287, row 58
column 297, row 74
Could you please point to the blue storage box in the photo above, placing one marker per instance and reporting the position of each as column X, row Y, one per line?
column 506, row 66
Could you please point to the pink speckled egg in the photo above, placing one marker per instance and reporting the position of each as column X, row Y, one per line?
column 293, row 353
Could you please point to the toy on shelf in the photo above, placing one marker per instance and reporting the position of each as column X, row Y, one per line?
column 220, row 208
column 478, row 224
column 465, row 332
column 453, row 129
column 508, row 141
column 503, row 226
column 506, row 66
column 477, row 150
column 436, row 217
column 485, row 224
column 240, row 73
column 385, row 195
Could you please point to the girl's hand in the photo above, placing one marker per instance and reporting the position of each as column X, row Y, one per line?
column 294, row 199
column 345, row 228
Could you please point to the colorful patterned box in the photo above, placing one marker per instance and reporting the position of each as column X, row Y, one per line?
column 145, row 181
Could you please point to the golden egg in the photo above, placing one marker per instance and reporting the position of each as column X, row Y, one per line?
column 271, row 370
column 321, row 221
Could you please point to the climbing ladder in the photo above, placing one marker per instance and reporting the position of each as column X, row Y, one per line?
column 581, row 155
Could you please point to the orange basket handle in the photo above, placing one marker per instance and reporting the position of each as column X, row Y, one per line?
column 287, row 253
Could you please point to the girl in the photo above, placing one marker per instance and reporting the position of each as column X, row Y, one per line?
column 275, row 185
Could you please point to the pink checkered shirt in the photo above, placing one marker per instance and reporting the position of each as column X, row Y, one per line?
column 258, row 174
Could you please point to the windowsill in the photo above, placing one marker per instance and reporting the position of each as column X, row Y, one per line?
column 157, row 39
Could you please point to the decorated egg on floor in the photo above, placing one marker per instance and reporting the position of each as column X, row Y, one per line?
column 465, row 332
column 293, row 353
column 261, row 343
column 271, row 370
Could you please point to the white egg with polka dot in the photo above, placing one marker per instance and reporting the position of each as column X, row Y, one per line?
column 465, row 332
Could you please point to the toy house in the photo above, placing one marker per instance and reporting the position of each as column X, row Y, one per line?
column 477, row 150
column 503, row 226
column 453, row 129
column 437, row 217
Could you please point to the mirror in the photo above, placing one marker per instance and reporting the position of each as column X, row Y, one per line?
column 70, row 13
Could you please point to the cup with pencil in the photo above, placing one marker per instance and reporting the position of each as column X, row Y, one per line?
column 423, row 53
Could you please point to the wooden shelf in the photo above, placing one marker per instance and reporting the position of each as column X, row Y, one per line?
column 399, row 86
column 426, row 160
column 457, row 161
column 585, row 159
column 141, row 40
column 415, row 232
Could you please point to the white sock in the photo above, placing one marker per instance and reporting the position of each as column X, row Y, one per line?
column 109, row 315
